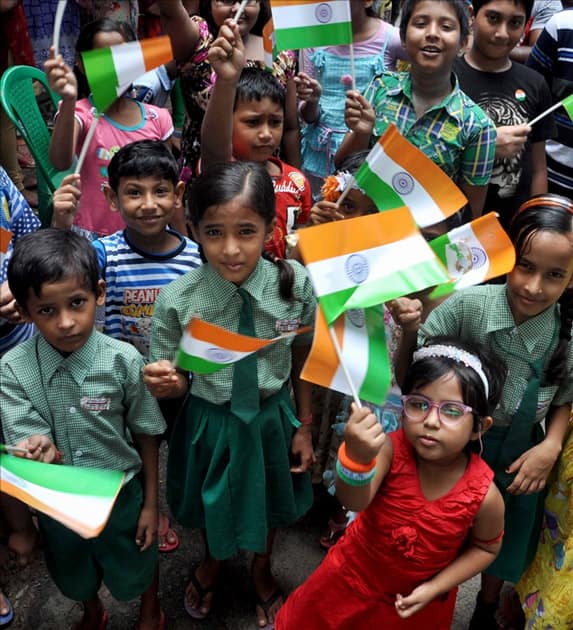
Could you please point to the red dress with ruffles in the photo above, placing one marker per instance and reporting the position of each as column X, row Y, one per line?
column 398, row 542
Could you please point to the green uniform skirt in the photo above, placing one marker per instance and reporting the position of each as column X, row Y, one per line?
column 233, row 479
column 523, row 512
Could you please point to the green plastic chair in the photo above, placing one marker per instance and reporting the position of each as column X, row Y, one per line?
column 20, row 102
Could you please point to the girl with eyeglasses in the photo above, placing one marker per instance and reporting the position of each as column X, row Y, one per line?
column 197, row 77
column 431, row 516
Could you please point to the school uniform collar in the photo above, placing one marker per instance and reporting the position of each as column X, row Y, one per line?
column 451, row 103
column 77, row 364
column 502, row 319
column 225, row 291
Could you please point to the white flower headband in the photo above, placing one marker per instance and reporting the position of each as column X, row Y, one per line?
column 456, row 354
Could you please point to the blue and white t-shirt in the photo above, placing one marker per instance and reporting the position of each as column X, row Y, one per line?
column 133, row 281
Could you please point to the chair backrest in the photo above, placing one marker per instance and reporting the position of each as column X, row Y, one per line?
column 19, row 99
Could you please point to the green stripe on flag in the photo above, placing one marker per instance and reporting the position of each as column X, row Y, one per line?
column 378, row 375
column 568, row 106
column 314, row 36
column 69, row 479
column 99, row 67
column 198, row 365
column 381, row 193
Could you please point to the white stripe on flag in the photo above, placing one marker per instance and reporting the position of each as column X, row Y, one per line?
column 209, row 352
column 128, row 61
column 304, row 14
column 471, row 245
column 330, row 275
column 427, row 212
column 355, row 352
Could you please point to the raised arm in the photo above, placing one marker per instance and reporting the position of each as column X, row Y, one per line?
column 62, row 80
column 360, row 117
column 180, row 28
column 227, row 57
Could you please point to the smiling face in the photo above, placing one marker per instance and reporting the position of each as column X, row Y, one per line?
column 433, row 36
column 432, row 440
column 146, row 204
column 232, row 236
column 64, row 312
column 222, row 10
column 544, row 270
column 257, row 129
column 497, row 27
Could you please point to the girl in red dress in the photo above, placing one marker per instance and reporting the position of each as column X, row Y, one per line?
column 431, row 517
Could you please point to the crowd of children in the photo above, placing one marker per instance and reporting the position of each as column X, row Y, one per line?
column 466, row 468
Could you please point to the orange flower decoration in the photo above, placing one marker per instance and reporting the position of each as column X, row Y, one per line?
column 331, row 188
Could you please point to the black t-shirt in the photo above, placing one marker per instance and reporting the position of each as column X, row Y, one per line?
column 512, row 97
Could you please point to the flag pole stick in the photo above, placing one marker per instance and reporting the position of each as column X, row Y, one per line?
column 344, row 368
column 58, row 25
column 13, row 450
column 345, row 192
column 545, row 113
column 87, row 142
column 352, row 67
column 240, row 10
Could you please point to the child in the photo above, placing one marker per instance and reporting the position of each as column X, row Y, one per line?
column 527, row 322
column 327, row 75
column 228, row 470
column 546, row 588
column 427, row 104
column 244, row 121
column 124, row 121
column 511, row 94
column 75, row 395
column 144, row 188
column 431, row 516
column 197, row 75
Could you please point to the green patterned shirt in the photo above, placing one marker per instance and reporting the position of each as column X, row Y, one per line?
column 483, row 314
column 204, row 293
column 456, row 134
column 89, row 403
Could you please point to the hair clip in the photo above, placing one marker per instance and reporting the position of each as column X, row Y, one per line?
column 456, row 354
column 551, row 200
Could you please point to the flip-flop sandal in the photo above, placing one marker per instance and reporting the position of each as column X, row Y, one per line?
column 266, row 605
column 166, row 532
column 195, row 611
column 6, row 619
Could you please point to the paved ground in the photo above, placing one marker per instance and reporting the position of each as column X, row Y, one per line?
column 39, row 606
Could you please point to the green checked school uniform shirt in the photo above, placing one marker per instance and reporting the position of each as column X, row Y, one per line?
column 205, row 294
column 482, row 314
column 456, row 134
column 89, row 403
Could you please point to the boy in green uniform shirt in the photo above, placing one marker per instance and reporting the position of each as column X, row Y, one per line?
column 75, row 395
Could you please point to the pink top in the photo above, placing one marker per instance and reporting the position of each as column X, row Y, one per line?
column 94, row 214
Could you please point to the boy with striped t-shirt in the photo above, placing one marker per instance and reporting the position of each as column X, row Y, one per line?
column 136, row 262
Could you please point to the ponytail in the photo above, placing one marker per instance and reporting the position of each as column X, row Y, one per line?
column 557, row 368
column 286, row 275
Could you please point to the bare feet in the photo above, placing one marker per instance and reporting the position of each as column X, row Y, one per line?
column 269, row 597
column 199, row 593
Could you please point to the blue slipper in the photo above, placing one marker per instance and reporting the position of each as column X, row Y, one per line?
column 7, row 619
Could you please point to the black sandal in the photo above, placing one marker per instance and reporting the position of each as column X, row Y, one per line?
column 484, row 615
column 202, row 592
column 266, row 605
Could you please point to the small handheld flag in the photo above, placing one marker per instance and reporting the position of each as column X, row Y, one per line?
column 396, row 174
column 269, row 44
column 308, row 24
column 473, row 253
column 110, row 71
column 362, row 341
column 368, row 260
column 206, row 348
column 79, row 498
column 566, row 103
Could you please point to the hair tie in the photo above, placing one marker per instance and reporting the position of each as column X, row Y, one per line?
column 456, row 354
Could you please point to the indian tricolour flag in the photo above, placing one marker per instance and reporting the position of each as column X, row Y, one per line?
column 307, row 24
column 79, row 498
column 396, row 174
column 368, row 260
column 567, row 104
column 206, row 348
column 269, row 44
column 110, row 71
column 362, row 340
column 473, row 253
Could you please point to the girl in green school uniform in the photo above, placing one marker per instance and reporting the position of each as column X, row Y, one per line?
column 527, row 322
column 239, row 452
